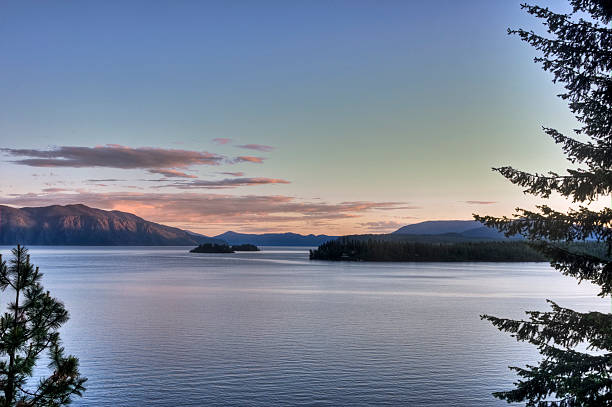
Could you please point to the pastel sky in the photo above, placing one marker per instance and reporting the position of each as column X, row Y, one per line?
column 308, row 116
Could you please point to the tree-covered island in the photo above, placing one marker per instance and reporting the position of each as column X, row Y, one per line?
column 372, row 249
column 245, row 248
column 383, row 248
column 224, row 248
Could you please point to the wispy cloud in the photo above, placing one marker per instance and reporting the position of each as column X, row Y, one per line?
column 105, row 180
column 257, row 147
column 480, row 202
column 233, row 174
column 249, row 159
column 381, row 226
column 54, row 190
column 50, row 174
column 222, row 140
column 225, row 183
column 368, row 204
column 207, row 209
column 168, row 173
column 113, row 156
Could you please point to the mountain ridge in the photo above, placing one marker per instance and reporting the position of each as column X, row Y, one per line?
column 466, row 228
column 79, row 224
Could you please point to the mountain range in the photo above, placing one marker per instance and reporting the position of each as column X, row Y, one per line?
column 83, row 225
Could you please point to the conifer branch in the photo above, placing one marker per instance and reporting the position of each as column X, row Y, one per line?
column 579, row 55
column 580, row 185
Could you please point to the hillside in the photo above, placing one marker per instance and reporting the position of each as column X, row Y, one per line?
column 468, row 228
column 82, row 225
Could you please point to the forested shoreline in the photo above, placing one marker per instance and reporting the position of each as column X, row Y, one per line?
column 378, row 250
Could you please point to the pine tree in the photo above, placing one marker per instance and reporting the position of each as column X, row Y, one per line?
column 28, row 328
column 576, row 347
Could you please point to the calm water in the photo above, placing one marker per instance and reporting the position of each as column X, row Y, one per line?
column 162, row 327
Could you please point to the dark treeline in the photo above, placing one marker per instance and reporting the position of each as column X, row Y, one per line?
column 223, row 248
column 245, row 248
column 383, row 250
column 212, row 248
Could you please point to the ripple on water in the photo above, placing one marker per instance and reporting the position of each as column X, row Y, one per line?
column 160, row 327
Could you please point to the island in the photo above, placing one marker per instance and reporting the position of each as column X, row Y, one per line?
column 245, row 248
column 212, row 248
column 348, row 249
column 223, row 248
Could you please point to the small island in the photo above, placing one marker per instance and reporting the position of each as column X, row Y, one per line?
column 212, row 248
column 223, row 248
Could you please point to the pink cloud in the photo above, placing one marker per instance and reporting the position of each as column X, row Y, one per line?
column 480, row 202
column 221, row 140
column 225, row 183
column 213, row 209
column 258, row 147
column 54, row 190
column 249, row 159
column 371, row 205
column 172, row 173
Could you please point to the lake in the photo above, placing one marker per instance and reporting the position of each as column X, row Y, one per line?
column 158, row 326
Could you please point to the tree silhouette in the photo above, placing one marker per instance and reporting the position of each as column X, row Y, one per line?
column 576, row 347
column 28, row 328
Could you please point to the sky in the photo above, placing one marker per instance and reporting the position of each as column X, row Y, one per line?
column 330, row 117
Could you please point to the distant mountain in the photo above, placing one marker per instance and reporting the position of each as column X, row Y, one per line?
column 82, row 225
column 441, row 238
column 466, row 228
column 274, row 239
column 437, row 227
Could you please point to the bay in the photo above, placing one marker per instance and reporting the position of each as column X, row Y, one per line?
column 158, row 326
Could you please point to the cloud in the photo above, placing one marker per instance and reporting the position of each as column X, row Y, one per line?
column 113, row 156
column 480, row 202
column 105, row 180
column 249, row 159
column 50, row 174
column 212, row 209
column 368, row 204
column 168, row 173
column 381, row 226
column 233, row 174
column 221, row 140
column 54, row 190
column 225, row 183
column 258, row 147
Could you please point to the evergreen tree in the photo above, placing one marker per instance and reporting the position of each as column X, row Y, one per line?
column 576, row 347
column 29, row 327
